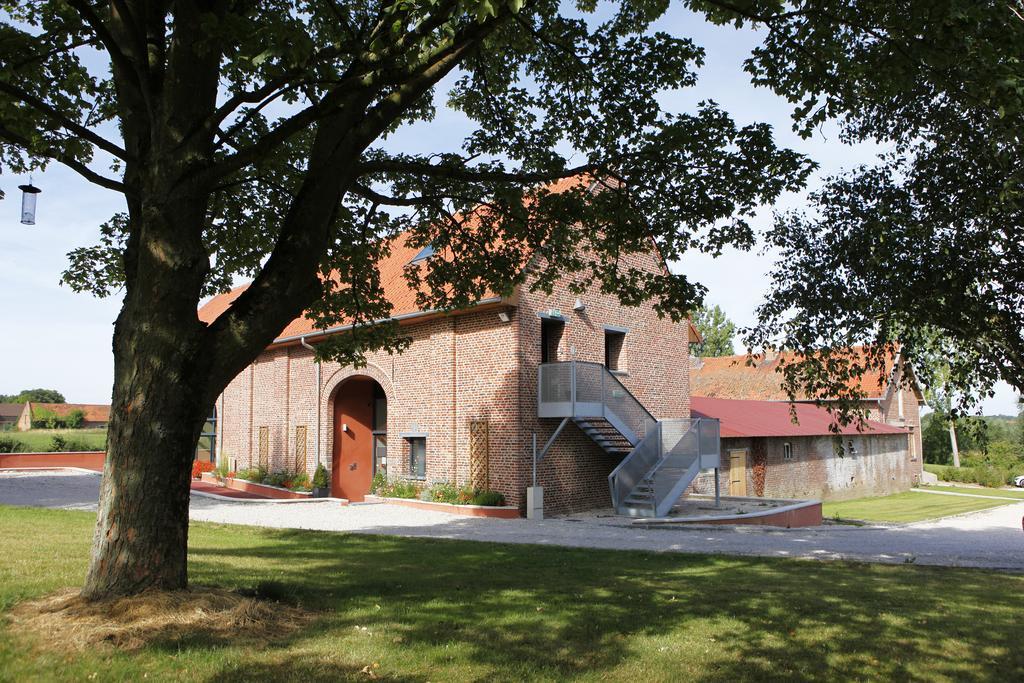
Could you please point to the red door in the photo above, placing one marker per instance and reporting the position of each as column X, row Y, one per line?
column 352, row 459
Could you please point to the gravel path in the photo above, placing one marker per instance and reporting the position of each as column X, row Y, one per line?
column 989, row 538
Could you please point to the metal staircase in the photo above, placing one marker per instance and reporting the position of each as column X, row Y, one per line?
column 661, row 457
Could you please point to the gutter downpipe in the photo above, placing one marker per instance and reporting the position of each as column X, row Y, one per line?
column 319, row 436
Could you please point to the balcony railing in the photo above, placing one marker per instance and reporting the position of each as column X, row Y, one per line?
column 588, row 391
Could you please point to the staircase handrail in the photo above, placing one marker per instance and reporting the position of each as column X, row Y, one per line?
column 669, row 468
column 595, row 392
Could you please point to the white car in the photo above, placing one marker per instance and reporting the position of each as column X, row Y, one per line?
column 1019, row 481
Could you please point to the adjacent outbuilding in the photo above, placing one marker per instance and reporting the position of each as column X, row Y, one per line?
column 766, row 454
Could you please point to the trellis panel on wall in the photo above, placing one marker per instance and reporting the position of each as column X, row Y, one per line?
column 299, row 464
column 479, row 454
column 263, row 450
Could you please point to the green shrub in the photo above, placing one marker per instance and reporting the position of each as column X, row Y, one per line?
column 9, row 445
column 443, row 492
column 74, row 419
column 223, row 469
column 488, row 498
column 62, row 444
column 985, row 475
column 277, row 478
column 299, row 482
column 399, row 488
column 252, row 474
column 320, row 479
column 379, row 482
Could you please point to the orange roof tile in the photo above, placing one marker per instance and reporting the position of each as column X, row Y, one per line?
column 92, row 412
column 754, row 378
column 392, row 279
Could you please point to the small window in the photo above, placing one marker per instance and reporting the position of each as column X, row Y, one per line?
column 787, row 451
column 425, row 253
column 418, row 458
column 613, row 343
column 550, row 336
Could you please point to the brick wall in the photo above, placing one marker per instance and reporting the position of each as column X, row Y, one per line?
column 575, row 471
column 458, row 369
column 878, row 466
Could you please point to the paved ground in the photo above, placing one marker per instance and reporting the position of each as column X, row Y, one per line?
column 990, row 538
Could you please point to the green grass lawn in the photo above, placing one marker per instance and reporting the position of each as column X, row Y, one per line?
column 979, row 491
column 39, row 440
column 911, row 506
column 461, row 611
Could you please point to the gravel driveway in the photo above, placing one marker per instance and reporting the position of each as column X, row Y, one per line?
column 989, row 538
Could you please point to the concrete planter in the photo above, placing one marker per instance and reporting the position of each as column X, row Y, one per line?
column 494, row 511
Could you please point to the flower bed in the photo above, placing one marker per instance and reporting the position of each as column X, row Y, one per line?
column 254, row 487
column 200, row 466
column 500, row 512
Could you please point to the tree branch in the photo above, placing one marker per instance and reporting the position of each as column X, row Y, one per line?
column 65, row 122
column 471, row 175
column 72, row 163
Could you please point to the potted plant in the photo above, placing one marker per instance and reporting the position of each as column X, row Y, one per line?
column 320, row 482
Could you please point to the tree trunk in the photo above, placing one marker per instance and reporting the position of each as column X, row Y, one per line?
column 952, row 441
column 142, row 529
column 162, row 395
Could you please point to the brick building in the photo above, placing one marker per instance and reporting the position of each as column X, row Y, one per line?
column 460, row 404
column 764, row 453
column 802, row 459
column 94, row 415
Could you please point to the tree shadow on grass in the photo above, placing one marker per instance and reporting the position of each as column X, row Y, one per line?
column 558, row 612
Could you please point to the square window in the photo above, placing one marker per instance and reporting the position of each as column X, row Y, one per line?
column 613, row 343
column 418, row 458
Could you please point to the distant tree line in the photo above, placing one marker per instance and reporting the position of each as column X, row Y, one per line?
column 35, row 396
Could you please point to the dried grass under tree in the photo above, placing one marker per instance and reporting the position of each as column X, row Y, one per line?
column 132, row 623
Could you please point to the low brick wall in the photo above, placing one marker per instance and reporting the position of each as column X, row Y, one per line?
column 253, row 487
column 503, row 512
column 86, row 460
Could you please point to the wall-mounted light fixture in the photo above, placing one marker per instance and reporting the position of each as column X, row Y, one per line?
column 579, row 306
column 504, row 317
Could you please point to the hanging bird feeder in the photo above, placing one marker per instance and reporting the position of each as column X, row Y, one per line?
column 28, row 202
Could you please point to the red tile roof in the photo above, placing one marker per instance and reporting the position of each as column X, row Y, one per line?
column 772, row 418
column 392, row 279
column 11, row 410
column 732, row 377
column 92, row 412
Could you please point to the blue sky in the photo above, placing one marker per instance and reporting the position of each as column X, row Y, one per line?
column 55, row 338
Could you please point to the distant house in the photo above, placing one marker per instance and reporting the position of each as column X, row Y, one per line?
column 9, row 414
column 94, row 415
column 765, row 453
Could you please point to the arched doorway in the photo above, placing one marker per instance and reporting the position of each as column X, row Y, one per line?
column 360, row 437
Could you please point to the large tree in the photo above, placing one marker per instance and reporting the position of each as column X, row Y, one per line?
column 922, row 252
column 716, row 330
column 248, row 140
